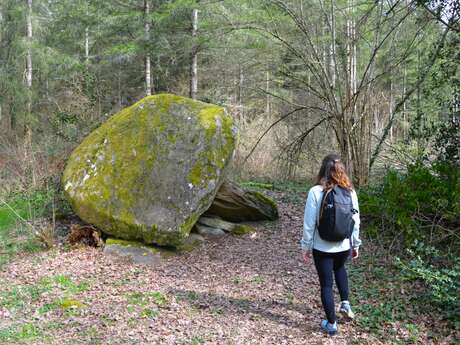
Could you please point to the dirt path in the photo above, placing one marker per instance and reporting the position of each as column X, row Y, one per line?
column 251, row 289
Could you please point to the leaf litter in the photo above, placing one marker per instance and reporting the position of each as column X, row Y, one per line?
column 250, row 289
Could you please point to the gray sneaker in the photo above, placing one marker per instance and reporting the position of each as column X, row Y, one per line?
column 345, row 309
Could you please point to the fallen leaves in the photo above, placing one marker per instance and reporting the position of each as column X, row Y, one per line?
column 250, row 289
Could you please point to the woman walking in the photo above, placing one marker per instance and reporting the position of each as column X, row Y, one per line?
column 330, row 233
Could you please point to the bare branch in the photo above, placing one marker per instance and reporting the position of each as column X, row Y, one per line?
column 268, row 130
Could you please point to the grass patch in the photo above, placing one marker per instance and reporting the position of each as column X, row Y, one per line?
column 25, row 333
column 282, row 186
column 16, row 297
column 197, row 340
column 257, row 185
column 150, row 313
column 144, row 298
column 16, row 234
column 20, row 298
column 25, row 206
column 258, row 279
column 65, row 283
column 237, row 280
column 146, row 304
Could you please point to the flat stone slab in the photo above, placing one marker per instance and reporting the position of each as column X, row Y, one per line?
column 216, row 223
column 209, row 231
column 143, row 254
column 139, row 255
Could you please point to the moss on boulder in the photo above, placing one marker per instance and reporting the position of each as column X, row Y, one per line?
column 152, row 169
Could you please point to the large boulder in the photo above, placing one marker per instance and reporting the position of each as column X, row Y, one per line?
column 151, row 170
column 234, row 204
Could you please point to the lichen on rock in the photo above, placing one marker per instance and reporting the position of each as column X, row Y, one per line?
column 152, row 169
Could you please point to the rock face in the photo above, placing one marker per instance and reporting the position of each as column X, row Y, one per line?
column 152, row 169
column 234, row 204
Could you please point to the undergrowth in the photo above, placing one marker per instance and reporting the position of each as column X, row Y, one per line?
column 414, row 273
column 388, row 304
column 19, row 213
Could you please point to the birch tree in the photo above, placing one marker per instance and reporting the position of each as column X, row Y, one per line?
column 194, row 56
column 28, row 129
column 148, row 80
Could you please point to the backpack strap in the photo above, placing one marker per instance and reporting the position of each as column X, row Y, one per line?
column 323, row 201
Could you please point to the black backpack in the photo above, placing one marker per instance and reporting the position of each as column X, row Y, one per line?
column 335, row 220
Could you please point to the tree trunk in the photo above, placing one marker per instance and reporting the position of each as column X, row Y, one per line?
column 419, row 114
column 390, row 107
column 87, row 45
column 355, row 122
column 194, row 62
column 27, row 128
column 333, row 47
column 404, row 103
column 148, row 78
column 267, row 86
column 240, row 93
column 1, row 38
column 29, row 43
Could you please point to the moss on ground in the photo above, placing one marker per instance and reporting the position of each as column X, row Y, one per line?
column 242, row 229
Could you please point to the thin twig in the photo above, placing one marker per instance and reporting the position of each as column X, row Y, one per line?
column 268, row 130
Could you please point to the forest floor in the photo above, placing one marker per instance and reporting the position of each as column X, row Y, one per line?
column 250, row 289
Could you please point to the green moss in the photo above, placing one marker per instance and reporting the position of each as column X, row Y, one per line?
column 121, row 242
column 68, row 303
column 189, row 244
column 172, row 138
column 162, row 101
column 265, row 199
column 208, row 117
column 196, row 175
column 268, row 201
column 188, row 225
column 242, row 229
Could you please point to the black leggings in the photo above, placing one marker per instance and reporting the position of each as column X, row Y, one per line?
column 325, row 263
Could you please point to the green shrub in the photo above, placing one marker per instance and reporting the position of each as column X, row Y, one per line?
column 421, row 204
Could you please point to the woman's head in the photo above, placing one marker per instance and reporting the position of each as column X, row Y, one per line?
column 332, row 172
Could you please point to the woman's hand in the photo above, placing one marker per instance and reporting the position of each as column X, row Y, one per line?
column 355, row 253
column 306, row 255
